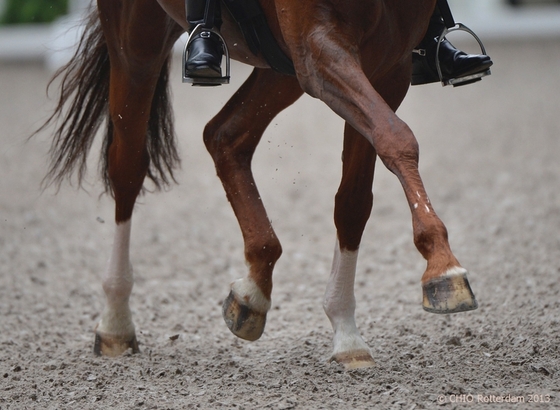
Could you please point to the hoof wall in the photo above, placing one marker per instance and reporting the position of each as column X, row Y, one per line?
column 243, row 321
column 354, row 360
column 112, row 346
column 448, row 294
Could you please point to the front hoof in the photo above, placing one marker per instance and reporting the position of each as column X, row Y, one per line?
column 450, row 293
column 112, row 346
column 356, row 359
column 243, row 321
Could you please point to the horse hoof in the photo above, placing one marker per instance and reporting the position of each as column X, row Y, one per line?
column 111, row 346
column 356, row 359
column 243, row 321
column 450, row 293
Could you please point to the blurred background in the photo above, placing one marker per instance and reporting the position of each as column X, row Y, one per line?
column 44, row 30
column 489, row 159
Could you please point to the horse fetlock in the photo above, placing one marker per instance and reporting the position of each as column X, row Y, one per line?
column 117, row 290
column 431, row 235
column 340, row 314
column 449, row 293
column 245, row 309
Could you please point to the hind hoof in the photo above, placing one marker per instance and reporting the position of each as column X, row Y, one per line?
column 356, row 359
column 450, row 293
column 243, row 321
column 111, row 346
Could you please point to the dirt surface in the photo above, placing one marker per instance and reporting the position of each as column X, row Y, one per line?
column 489, row 158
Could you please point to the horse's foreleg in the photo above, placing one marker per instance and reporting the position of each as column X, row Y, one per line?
column 444, row 283
column 231, row 138
column 353, row 204
column 329, row 68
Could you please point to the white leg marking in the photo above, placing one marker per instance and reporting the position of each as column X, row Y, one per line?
column 455, row 271
column 248, row 293
column 339, row 303
column 117, row 284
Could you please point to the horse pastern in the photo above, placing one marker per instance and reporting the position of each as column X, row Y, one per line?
column 248, row 293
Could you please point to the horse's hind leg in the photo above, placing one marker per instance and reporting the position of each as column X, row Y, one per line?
column 353, row 204
column 138, row 40
column 231, row 138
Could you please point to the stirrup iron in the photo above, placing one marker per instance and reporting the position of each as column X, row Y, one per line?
column 205, row 80
column 467, row 79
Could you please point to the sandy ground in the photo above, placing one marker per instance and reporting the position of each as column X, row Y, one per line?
column 489, row 158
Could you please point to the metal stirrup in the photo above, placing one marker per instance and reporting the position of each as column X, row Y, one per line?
column 467, row 78
column 205, row 80
column 207, row 25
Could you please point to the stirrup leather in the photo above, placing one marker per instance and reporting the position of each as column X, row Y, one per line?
column 467, row 79
column 205, row 80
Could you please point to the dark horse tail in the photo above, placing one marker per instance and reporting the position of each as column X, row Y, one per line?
column 84, row 89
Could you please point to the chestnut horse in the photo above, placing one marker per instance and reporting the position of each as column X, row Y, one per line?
column 353, row 55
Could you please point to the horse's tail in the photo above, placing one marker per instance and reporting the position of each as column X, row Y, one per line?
column 84, row 88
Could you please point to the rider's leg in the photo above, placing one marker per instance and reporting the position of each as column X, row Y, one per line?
column 453, row 62
column 205, row 50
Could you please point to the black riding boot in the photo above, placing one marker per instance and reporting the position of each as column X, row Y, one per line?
column 205, row 51
column 453, row 63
